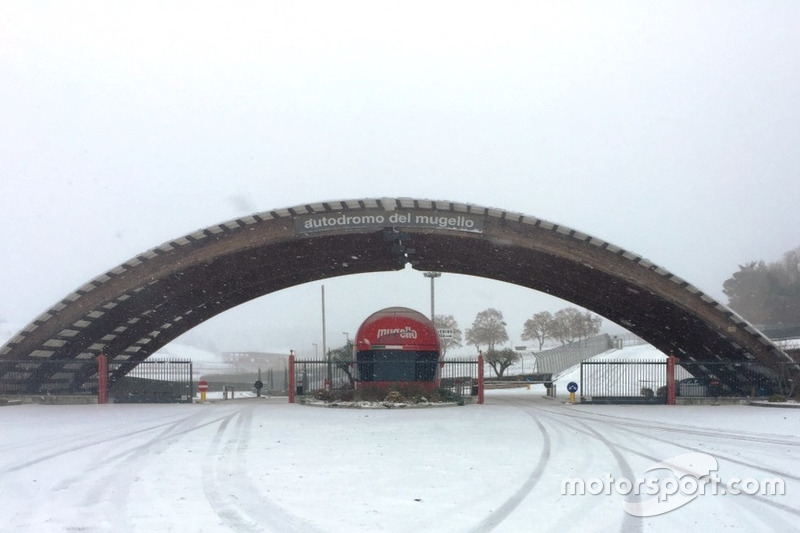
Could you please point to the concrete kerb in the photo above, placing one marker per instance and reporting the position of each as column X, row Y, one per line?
column 785, row 405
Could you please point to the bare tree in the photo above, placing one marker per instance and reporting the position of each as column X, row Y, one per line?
column 538, row 327
column 448, row 322
column 570, row 324
column 487, row 329
column 342, row 358
column 588, row 325
column 565, row 325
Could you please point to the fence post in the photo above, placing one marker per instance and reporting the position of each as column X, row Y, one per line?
column 102, row 378
column 671, row 360
column 480, row 379
column 291, row 376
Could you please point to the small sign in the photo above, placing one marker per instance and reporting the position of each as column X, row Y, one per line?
column 572, row 386
column 445, row 333
column 202, row 386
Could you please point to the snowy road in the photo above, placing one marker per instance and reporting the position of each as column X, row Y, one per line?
column 256, row 465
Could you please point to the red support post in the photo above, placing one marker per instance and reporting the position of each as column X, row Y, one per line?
column 480, row 379
column 291, row 377
column 671, row 360
column 102, row 378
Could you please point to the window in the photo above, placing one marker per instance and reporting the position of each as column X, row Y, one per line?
column 396, row 365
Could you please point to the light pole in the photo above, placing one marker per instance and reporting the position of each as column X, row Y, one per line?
column 521, row 350
column 433, row 276
column 346, row 336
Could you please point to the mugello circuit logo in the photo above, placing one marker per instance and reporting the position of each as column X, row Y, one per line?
column 404, row 333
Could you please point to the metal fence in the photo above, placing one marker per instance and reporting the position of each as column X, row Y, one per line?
column 623, row 381
column 746, row 379
column 151, row 381
column 561, row 358
column 626, row 381
column 146, row 381
column 458, row 376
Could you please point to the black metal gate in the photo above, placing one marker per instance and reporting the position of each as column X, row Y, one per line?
column 640, row 382
column 151, row 381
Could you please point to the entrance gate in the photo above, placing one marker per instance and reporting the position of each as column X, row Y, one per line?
column 639, row 382
column 151, row 381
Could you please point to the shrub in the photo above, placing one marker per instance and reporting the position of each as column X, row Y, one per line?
column 369, row 393
column 777, row 398
column 395, row 396
column 414, row 392
column 403, row 393
column 323, row 395
column 445, row 395
column 347, row 395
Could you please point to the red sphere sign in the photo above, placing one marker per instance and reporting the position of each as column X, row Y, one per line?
column 202, row 386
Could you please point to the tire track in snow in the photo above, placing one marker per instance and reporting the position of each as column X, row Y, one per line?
column 762, row 499
column 622, row 425
column 58, row 451
column 502, row 512
column 239, row 502
column 114, row 488
column 104, row 485
column 683, row 428
column 628, row 523
column 648, row 436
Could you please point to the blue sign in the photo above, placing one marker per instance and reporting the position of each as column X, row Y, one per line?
column 572, row 386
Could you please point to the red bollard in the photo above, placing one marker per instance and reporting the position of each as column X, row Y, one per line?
column 102, row 378
column 480, row 379
column 671, row 360
column 291, row 377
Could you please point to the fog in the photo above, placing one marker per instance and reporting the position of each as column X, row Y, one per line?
column 667, row 129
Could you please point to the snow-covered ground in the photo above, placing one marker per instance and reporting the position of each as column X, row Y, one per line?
column 257, row 464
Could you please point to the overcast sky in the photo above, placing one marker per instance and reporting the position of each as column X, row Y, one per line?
column 671, row 129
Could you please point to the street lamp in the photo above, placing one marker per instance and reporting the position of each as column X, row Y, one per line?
column 346, row 336
column 521, row 349
column 433, row 276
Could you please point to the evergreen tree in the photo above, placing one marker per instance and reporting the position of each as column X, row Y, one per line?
column 500, row 360
column 767, row 294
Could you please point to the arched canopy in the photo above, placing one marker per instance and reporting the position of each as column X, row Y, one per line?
column 135, row 309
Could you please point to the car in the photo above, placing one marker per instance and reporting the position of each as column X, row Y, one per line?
column 693, row 387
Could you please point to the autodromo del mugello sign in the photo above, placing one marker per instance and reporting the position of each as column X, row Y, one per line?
column 379, row 219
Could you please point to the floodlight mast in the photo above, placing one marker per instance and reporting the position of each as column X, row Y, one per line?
column 433, row 276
